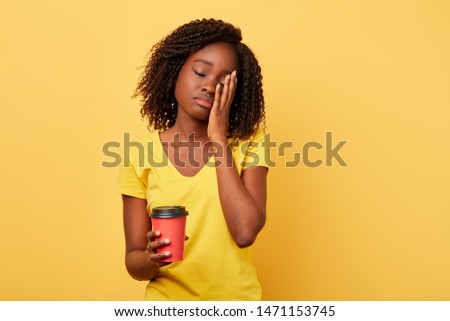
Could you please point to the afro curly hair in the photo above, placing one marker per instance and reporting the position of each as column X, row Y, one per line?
column 156, row 86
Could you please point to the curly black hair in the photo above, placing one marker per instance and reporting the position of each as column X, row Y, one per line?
column 157, row 83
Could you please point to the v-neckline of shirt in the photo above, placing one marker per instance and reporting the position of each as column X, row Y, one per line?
column 174, row 167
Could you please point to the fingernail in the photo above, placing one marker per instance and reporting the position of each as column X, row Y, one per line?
column 157, row 233
column 166, row 241
column 166, row 254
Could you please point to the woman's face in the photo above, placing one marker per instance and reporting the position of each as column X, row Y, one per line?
column 199, row 76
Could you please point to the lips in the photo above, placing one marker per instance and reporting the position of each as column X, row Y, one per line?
column 203, row 101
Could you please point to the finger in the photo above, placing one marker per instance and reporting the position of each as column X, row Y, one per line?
column 232, row 82
column 233, row 85
column 153, row 246
column 225, row 93
column 152, row 235
column 217, row 95
column 160, row 256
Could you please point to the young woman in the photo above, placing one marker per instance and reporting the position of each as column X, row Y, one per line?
column 201, row 92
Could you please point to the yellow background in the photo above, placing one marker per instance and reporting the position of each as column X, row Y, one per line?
column 375, row 73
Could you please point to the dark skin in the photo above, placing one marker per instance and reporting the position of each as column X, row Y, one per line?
column 204, row 91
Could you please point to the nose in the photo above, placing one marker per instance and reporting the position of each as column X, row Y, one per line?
column 209, row 86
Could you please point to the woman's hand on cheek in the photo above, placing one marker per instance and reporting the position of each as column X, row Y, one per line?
column 220, row 111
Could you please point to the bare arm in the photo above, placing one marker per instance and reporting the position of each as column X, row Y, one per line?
column 243, row 198
column 141, row 261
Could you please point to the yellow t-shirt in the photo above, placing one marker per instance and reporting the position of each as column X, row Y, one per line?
column 214, row 267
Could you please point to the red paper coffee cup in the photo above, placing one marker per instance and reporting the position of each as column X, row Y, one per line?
column 171, row 222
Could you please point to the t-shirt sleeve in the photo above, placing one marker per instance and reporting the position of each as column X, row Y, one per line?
column 257, row 151
column 132, row 179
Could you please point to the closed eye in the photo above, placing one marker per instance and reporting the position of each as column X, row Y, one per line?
column 199, row 73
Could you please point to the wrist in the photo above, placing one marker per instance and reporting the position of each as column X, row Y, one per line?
column 219, row 147
column 219, row 139
column 140, row 266
column 153, row 266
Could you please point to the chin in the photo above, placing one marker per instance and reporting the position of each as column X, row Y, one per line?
column 203, row 118
column 202, row 114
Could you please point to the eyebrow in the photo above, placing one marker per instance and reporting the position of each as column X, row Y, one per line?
column 209, row 63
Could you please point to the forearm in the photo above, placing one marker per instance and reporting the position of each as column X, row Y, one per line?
column 139, row 265
column 243, row 215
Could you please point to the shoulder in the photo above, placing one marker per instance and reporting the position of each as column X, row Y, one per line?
column 137, row 150
column 253, row 141
column 250, row 152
